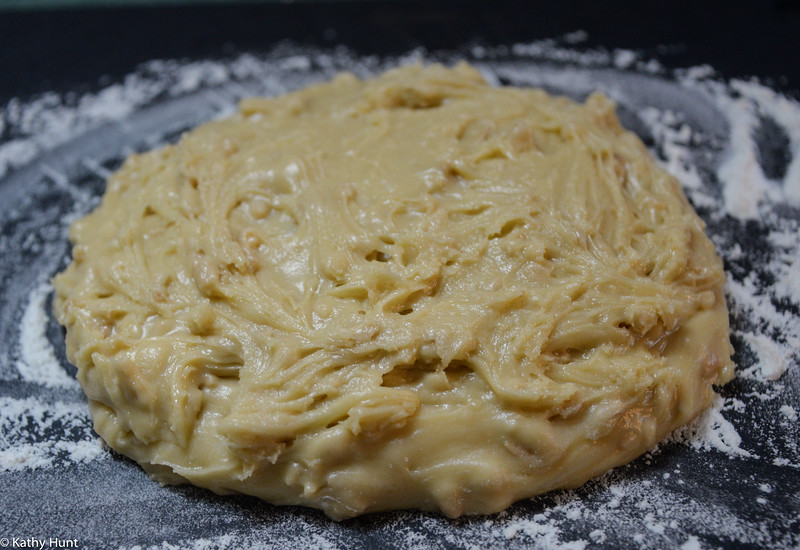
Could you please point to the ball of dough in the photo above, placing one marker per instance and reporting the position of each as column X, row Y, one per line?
column 417, row 291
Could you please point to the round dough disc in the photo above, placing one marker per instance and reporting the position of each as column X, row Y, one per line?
column 416, row 291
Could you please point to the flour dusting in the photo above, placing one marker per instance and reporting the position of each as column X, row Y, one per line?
column 39, row 435
column 712, row 431
column 37, row 362
column 789, row 412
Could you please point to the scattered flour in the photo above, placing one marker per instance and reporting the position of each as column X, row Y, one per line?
column 40, row 432
column 691, row 544
column 37, row 434
column 789, row 412
column 674, row 135
column 37, row 362
column 772, row 360
column 746, row 186
column 779, row 108
column 711, row 430
column 546, row 534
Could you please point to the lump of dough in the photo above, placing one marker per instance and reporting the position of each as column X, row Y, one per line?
column 416, row 291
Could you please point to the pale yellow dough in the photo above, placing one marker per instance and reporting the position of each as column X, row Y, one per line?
column 417, row 291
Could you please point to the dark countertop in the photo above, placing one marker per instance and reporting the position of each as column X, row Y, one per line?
column 76, row 48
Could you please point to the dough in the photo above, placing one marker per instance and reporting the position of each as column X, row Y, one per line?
column 417, row 291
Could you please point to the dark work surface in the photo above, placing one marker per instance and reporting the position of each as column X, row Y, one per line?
column 43, row 50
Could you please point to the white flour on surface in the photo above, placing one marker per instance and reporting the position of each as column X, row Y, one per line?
column 789, row 412
column 48, row 433
column 37, row 362
column 33, row 434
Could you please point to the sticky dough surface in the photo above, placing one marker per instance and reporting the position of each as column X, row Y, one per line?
column 418, row 291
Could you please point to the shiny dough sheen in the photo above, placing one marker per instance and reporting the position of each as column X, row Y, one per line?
column 416, row 291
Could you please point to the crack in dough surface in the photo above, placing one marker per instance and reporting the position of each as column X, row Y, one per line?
column 416, row 291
